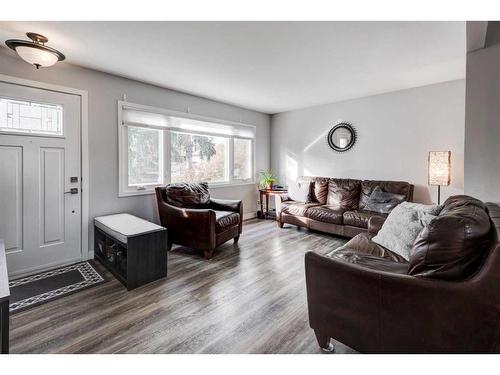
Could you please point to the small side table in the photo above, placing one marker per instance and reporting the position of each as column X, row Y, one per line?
column 267, row 193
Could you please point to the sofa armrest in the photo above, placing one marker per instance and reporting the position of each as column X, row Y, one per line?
column 228, row 205
column 225, row 205
column 188, row 223
column 375, row 224
column 278, row 199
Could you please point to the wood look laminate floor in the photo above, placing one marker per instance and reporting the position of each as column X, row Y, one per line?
column 250, row 298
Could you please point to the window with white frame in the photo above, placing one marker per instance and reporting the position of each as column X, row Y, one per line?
column 159, row 147
column 23, row 117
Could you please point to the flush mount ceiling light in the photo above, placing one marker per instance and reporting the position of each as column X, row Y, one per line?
column 35, row 52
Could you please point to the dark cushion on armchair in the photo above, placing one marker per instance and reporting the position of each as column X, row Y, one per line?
column 188, row 195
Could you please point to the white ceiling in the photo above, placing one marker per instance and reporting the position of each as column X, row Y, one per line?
column 266, row 66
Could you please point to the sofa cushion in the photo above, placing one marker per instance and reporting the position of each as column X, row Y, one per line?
column 319, row 190
column 395, row 187
column 363, row 244
column 451, row 246
column 362, row 251
column 325, row 214
column 343, row 194
column 225, row 219
column 382, row 201
column 371, row 262
column 402, row 227
column 296, row 208
column 188, row 195
column 360, row 218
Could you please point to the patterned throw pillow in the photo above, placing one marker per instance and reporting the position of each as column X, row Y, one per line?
column 383, row 202
column 403, row 225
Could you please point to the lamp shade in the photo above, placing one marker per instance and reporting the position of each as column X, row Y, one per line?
column 439, row 168
column 35, row 52
column 37, row 57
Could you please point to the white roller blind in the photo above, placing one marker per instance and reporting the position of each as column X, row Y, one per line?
column 137, row 117
column 134, row 117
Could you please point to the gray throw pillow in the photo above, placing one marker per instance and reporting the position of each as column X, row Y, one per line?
column 299, row 191
column 402, row 227
column 382, row 201
column 432, row 209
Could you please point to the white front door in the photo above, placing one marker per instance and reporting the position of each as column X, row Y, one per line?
column 40, row 178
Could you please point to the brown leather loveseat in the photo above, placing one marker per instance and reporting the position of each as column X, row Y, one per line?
column 337, row 205
column 196, row 220
column 445, row 299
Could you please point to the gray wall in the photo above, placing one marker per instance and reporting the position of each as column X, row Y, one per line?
column 104, row 91
column 482, row 124
column 396, row 131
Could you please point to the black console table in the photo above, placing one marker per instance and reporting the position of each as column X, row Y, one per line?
column 132, row 249
column 4, row 302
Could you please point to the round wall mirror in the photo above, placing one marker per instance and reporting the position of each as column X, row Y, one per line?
column 342, row 137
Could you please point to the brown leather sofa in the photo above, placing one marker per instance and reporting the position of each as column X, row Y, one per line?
column 337, row 205
column 196, row 220
column 446, row 299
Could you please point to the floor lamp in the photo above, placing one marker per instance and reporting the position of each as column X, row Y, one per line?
column 439, row 170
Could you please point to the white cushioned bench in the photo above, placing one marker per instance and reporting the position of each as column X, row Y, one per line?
column 134, row 250
column 122, row 226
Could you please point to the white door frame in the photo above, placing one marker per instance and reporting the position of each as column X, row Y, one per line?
column 84, row 139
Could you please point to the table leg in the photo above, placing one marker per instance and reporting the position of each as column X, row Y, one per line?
column 261, row 204
column 4, row 327
column 267, row 205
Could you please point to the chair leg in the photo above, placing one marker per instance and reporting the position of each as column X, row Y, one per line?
column 280, row 224
column 208, row 254
column 324, row 341
column 236, row 239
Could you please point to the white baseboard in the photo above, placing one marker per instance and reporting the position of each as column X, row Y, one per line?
column 249, row 215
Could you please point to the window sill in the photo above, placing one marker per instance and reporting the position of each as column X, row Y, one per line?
column 125, row 194
column 223, row 185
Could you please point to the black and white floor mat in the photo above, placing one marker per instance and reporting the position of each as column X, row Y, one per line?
column 47, row 286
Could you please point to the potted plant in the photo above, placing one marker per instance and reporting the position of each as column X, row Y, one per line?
column 267, row 179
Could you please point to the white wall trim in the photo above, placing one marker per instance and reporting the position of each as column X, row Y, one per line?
column 84, row 139
column 249, row 215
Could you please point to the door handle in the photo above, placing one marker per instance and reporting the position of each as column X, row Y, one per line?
column 72, row 191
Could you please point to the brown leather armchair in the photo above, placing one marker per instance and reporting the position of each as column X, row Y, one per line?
column 196, row 220
column 444, row 300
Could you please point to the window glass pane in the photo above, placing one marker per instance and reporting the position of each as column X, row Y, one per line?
column 145, row 154
column 199, row 158
column 27, row 117
column 242, row 159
